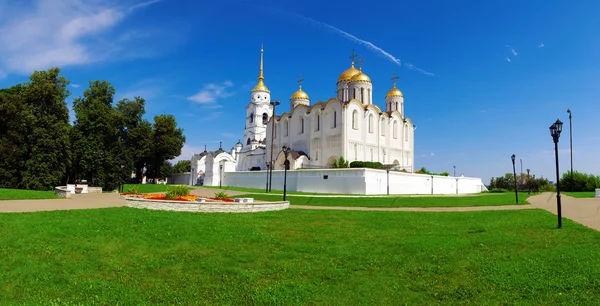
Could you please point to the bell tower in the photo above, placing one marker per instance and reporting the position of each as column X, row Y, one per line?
column 258, row 111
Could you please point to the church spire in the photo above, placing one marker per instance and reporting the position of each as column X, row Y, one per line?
column 261, row 85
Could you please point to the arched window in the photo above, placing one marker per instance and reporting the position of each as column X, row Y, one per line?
column 285, row 128
column 251, row 117
column 371, row 123
column 395, row 129
column 248, row 142
column 355, row 120
column 362, row 95
column 318, row 123
column 334, row 119
column 371, row 154
column 355, row 152
column 383, row 127
column 396, row 105
column 406, row 132
column 301, row 122
column 265, row 118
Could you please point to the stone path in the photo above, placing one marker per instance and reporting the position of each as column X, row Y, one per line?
column 585, row 211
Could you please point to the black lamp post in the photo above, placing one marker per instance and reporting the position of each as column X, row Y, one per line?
column 267, row 186
column 454, row 171
column 273, row 103
column 286, row 165
column 220, row 175
column 515, row 174
column 555, row 130
column 571, row 145
column 528, row 183
column 387, row 170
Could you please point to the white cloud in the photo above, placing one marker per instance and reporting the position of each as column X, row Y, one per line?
column 228, row 135
column 56, row 33
column 541, row 45
column 508, row 59
column 512, row 50
column 432, row 154
column 75, row 85
column 211, row 93
column 143, row 4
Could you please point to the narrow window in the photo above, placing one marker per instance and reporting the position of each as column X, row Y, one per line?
column 248, row 142
column 362, row 95
column 265, row 118
column 406, row 132
column 355, row 120
column 383, row 127
column 285, row 128
column 371, row 123
column 318, row 123
column 301, row 125
column 395, row 129
column 251, row 117
column 334, row 119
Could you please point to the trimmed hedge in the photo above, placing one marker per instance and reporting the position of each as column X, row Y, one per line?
column 365, row 164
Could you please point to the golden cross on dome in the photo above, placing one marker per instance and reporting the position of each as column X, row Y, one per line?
column 353, row 56
column 394, row 79
column 360, row 61
column 300, row 81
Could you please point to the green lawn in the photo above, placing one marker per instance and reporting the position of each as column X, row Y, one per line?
column 127, row 256
column 585, row 194
column 21, row 194
column 485, row 199
column 148, row 188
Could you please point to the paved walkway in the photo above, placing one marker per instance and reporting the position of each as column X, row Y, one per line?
column 585, row 211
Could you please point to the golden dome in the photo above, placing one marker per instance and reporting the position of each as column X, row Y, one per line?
column 300, row 94
column 360, row 77
column 348, row 74
column 260, row 86
column 394, row 92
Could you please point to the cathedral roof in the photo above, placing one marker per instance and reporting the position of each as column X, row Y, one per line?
column 300, row 94
column 394, row 92
column 348, row 74
column 360, row 77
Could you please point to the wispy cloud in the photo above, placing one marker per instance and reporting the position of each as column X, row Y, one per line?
column 74, row 85
column 432, row 154
column 211, row 93
column 512, row 50
column 353, row 38
column 541, row 45
column 228, row 135
column 508, row 59
column 45, row 33
column 143, row 4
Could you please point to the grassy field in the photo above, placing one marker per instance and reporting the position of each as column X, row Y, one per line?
column 485, row 199
column 148, row 188
column 128, row 256
column 21, row 194
column 585, row 194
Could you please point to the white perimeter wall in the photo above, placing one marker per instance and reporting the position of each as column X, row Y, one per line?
column 356, row 181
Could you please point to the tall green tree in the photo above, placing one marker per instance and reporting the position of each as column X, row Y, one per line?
column 97, row 150
column 47, row 139
column 183, row 166
column 135, row 133
column 167, row 143
column 16, row 119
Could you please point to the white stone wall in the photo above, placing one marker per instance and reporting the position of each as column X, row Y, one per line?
column 179, row 178
column 356, row 181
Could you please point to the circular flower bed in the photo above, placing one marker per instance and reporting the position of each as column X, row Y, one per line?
column 162, row 197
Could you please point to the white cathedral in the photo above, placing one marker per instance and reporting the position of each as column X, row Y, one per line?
column 349, row 125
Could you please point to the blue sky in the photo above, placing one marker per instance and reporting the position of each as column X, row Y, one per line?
column 482, row 79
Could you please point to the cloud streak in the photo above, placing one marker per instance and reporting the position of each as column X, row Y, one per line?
column 211, row 92
column 369, row 45
column 541, row 45
column 143, row 4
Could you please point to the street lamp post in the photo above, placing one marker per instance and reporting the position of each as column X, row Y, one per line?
column 571, row 145
column 528, row 183
column 220, row 175
column 286, row 165
column 388, row 180
column 267, row 184
column 515, row 174
column 454, row 171
column 555, row 130
column 273, row 103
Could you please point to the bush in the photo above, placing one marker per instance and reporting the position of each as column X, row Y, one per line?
column 134, row 189
column 340, row 163
column 498, row 190
column 221, row 195
column 255, row 168
column 366, row 164
column 547, row 187
column 176, row 191
column 580, row 182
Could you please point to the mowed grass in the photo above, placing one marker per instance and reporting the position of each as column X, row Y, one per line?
column 22, row 194
column 127, row 256
column 583, row 194
column 147, row 188
column 485, row 199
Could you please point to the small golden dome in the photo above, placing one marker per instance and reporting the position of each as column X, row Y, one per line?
column 348, row 74
column 260, row 86
column 394, row 92
column 360, row 77
column 300, row 94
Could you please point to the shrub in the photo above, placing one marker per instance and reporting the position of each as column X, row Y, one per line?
column 498, row 190
column 365, row 164
column 221, row 195
column 580, row 182
column 255, row 168
column 547, row 187
column 134, row 189
column 340, row 163
column 176, row 191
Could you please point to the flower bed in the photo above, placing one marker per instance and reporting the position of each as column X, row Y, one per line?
column 163, row 197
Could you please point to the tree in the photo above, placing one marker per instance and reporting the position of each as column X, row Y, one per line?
column 16, row 121
column 167, row 142
column 340, row 163
column 98, row 151
column 581, row 181
column 47, row 138
column 136, row 134
column 183, row 166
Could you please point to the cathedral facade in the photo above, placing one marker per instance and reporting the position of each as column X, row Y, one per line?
column 349, row 125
